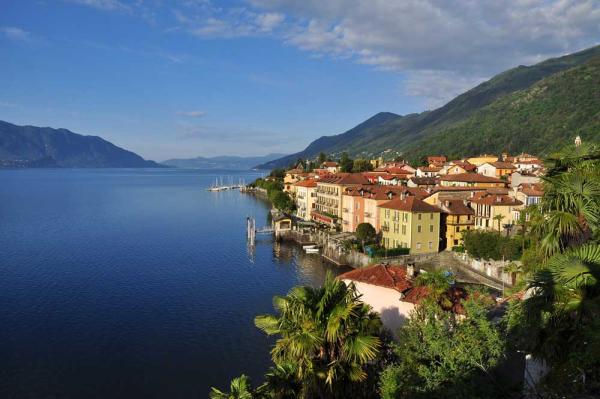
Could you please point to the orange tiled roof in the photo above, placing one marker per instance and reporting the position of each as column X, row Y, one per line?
column 495, row 200
column 471, row 178
column 393, row 277
column 410, row 204
column 306, row 183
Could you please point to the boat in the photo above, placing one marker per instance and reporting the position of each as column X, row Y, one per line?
column 312, row 250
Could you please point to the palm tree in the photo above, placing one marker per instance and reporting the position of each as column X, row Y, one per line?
column 280, row 383
column 563, row 297
column 439, row 283
column 570, row 206
column 499, row 218
column 327, row 333
column 239, row 389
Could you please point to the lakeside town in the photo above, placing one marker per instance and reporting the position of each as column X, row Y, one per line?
column 511, row 239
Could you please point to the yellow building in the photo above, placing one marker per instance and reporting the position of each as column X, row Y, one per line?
column 410, row 223
column 494, row 211
column 480, row 160
column 496, row 169
column 457, row 217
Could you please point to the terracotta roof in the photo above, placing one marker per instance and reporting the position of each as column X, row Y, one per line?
column 456, row 207
column 464, row 164
column 436, row 158
column 345, row 178
column 424, row 181
column 306, row 183
column 471, row 178
column 393, row 277
column 532, row 162
column 502, row 165
column 294, row 171
column 532, row 190
column 429, row 169
column 496, row 200
column 457, row 188
column 410, row 204
column 330, row 164
column 497, row 190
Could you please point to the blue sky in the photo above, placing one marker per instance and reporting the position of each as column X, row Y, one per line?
column 183, row 78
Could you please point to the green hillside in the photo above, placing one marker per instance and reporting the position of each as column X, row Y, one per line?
column 517, row 110
column 539, row 119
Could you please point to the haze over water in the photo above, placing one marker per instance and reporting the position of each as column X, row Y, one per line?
column 134, row 283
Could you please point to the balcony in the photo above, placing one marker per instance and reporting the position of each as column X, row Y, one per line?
column 385, row 228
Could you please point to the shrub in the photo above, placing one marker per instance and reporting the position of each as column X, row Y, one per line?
column 491, row 245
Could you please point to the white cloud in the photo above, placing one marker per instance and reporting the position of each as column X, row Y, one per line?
column 439, row 42
column 191, row 114
column 15, row 33
column 109, row 5
column 5, row 104
column 268, row 21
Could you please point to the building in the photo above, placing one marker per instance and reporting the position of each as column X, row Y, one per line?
column 518, row 178
column 436, row 160
column 496, row 169
column 528, row 194
column 422, row 182
column 330, row 166
column 306, row 195
column 410, row 223
column 457, row 217
column 470, row 180
column 529, row 165
column 457, row 167
column 328, row 206
column 428, row 171
column 353, row 209
column 391, row 292
column 495, row 211
column 482, row 159
column 291, row 177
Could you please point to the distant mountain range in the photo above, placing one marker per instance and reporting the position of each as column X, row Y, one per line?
column 535, row 109
column 31, row 146
column 222, row 162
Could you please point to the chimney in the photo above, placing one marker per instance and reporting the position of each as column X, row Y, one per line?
column 410, row 271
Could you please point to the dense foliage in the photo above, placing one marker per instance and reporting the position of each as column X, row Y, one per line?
column 278, row 198
column 488, row 245
column 558, row 320
column 442, row 356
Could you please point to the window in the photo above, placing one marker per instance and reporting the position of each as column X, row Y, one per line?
column 431, row 228
column 419, row 217
column 403, row 229
column 431, row 216
column 455, row 242
column 405, row 217
column 418, row 245
column 418, row 229
column 430, row 245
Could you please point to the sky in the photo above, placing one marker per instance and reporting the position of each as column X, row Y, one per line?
column 186, row 78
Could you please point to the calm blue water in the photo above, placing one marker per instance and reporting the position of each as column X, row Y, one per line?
column 133, row 283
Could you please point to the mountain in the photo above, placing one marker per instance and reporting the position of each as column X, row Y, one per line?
column 31, row 146
column 222, row 162
column 534, row 108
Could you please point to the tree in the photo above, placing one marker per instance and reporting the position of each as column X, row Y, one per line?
column 361, row 165
column 499, row 218
column 439, row 283
column 322, row 158
column 280, row 383
column 327, row 333
column 278, row 173
column 441, row 356
column 238, row 389
column 346, row 163
column 281, row 201
column 365, row 233
column 559, row 318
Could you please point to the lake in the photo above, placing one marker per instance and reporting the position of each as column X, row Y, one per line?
column 127, row 283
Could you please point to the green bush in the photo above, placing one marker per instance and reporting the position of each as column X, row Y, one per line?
column 382, row 252
column 491, row 245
